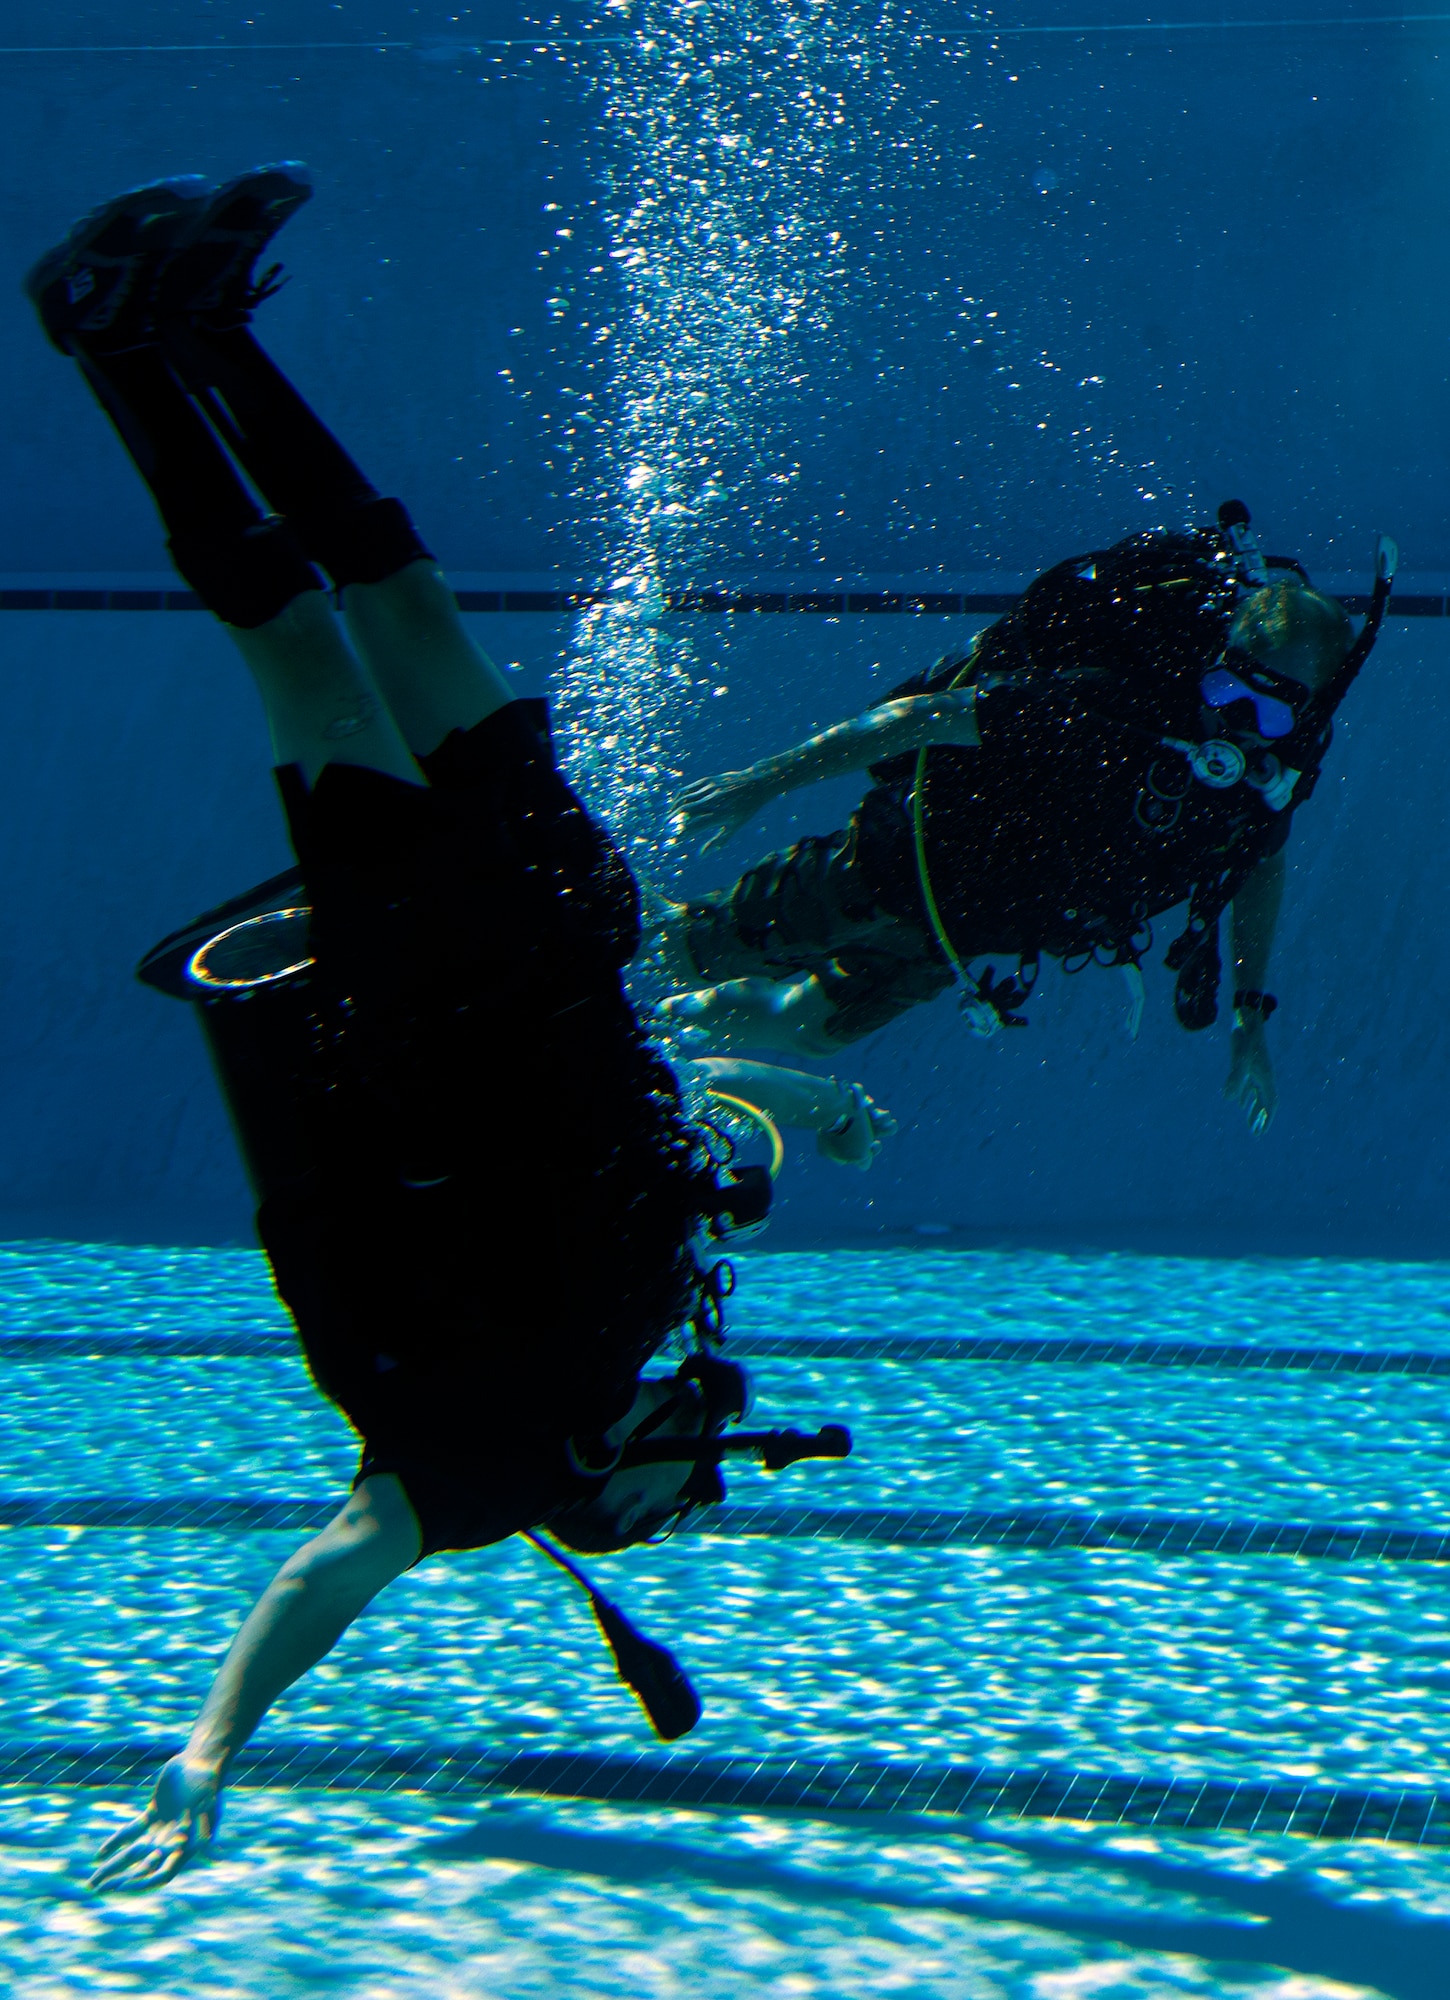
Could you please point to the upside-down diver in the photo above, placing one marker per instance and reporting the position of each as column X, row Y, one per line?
column 478, row 1190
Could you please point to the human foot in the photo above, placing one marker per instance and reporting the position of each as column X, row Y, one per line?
column 212, row 279
column 856, row 1137
column 741, row 1014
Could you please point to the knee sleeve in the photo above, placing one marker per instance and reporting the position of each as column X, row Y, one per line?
column 365, row 543
column 246, row 578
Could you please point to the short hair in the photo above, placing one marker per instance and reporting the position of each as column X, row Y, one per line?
column 1294, row 629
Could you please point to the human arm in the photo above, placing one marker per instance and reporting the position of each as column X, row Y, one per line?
column 897, row 728
column 849, row 1127
column 1255, row 920
column 299, row 1618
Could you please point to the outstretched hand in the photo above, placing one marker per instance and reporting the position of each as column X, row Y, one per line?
column 181, row 1818
column 857, row 1141
column 1251, row 1077
column 725, row 803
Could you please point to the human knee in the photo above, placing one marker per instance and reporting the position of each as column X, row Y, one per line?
column 303, row 635
column 792, row 1015
column 416, row 594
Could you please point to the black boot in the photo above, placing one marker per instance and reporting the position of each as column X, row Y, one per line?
column 244, row 566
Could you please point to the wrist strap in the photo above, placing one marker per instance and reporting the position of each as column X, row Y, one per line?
column 1249, row 1000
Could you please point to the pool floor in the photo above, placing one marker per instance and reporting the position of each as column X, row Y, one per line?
column 811, row 1651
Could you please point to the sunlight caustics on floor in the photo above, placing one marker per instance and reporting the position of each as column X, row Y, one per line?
column 889, row 1729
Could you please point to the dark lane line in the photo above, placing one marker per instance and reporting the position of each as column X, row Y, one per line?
column 896, row 1527
column 964, row 1791
column 1216, row 1357
column 1054, row 1528
column 906, row 600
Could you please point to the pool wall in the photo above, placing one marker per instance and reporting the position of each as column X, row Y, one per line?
column 134, row 791
column 997, row 375
column 990, row 374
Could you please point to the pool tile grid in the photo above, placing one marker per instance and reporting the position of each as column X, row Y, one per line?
column 901, row 1527
column 831, row 1788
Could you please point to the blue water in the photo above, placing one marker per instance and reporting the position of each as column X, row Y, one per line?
column 1217, row 1667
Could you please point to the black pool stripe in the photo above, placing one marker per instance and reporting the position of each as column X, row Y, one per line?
column 175, row 1346
column 1039, row 1528
column 963, row 1791
column 100, row 600
column 183, row 1510
column 1214, row 1357
column 826, row 603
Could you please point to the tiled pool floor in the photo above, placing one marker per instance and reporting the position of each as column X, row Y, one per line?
column 1247, row 1667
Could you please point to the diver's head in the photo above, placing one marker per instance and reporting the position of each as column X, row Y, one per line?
column 1293, row 630
column 640, row 1501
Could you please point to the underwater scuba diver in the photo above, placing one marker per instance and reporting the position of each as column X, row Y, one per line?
column 478, row 1191
column 1135, row 734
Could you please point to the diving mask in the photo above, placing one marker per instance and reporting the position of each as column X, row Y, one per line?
column 1246, row 680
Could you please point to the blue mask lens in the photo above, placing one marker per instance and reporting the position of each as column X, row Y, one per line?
column 1221, row 689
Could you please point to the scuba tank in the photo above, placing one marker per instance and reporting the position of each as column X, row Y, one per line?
column 245, row 966
column 247, row 969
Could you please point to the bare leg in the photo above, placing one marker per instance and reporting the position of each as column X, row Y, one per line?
column 754, row 1014
column 322, row 707
column 297, row 1620
column 429, row 672
column 666, row 929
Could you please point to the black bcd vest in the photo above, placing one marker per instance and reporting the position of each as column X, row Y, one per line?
column 1081, row 818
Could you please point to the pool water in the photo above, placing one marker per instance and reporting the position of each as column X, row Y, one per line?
column 1241, row 1667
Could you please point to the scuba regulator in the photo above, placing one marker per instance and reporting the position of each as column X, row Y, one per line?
column 709, row 1394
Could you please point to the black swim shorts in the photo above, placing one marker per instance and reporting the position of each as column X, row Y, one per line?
column 488, row 1234
column 811, row 912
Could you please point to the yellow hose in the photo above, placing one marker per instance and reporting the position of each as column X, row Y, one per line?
column 918, row 828
column 762, row 1119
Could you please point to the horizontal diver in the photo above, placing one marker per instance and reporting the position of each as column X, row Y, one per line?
column 1136, row 734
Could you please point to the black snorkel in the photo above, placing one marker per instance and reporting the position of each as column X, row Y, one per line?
column 1304, row 749
column 1386, row 562
column 1301, row 752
